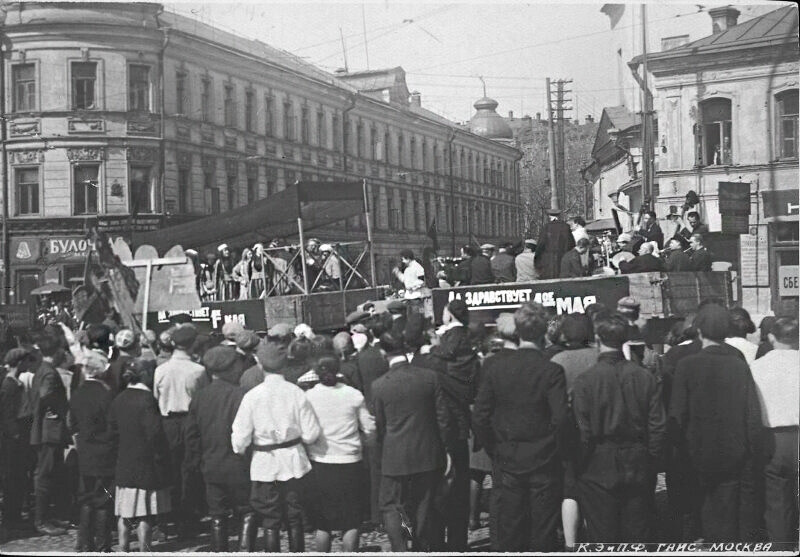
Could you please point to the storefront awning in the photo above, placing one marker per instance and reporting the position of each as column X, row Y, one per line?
column 317, row 203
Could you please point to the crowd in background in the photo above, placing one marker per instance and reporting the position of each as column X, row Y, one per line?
column 393, row 424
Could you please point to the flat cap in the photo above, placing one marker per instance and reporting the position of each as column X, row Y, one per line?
column 356, row 317
column 624, row 237
column 459, row 310
column 396, row 306
column 280, row 330
column 554, row 212
column 247, row 340
column 271, row 356
column 184, row 336
column 713, row 321
column 627, row 304
column 219, row 358
column 488, row 246
column 15, row 356
column 231, row 329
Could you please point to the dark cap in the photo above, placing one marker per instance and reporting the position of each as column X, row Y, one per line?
column 184, row 336
column 219, row 358
column 15, row 356
column 458, row 309
column 247, row 340
column 713, row 321
column 356, row 317
column 271, row 356
column 396, row 306
column 627, row 305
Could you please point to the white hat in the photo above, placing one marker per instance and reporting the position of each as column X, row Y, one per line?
column 222, row 247
column 325, row 247
column 303, row 330
column 624, row 237
column 487, row 246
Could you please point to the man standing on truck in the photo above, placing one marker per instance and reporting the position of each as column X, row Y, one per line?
column 700, row 258
column 555, row 241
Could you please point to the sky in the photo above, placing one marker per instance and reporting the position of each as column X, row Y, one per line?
column 446, row 47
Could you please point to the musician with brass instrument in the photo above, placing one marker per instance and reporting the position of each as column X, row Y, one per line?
column 676, row 255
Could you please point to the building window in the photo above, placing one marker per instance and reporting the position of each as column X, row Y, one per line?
column 360, row 140
column 269, row 117
column 85, row 187
column 374, row 153
column 470, row 168
column 412, row 153
column 391, row 212
column 214, row 195
column 376, row 207
column 386, row 142
column 229, row 107
column 348, row 148
column 424, row 155
column 205, row 100
column 322, row 132
column 417, row 220
column 403, row 213
column 272, row 181
column 252, row 186
column 249, row 111
column 184, row 192
column 337, row 133
column 25, row 282
column 84, row 80
column 400, row 154
column 714, row 141
column 27, row 190
column 305, row 131
column 233, row 186
column 139, row 88
column 787, row 102
column 291, row 177
column 437, row 168
column 181, row 98
column 24, row 78
column 288, row 121
column 139, row 186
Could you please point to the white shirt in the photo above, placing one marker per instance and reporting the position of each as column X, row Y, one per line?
column 176, row 381
column 274, row 412
column 745, row 347
column 777, row 378
column 342, row 413
column 413, row 279
column 579, row 232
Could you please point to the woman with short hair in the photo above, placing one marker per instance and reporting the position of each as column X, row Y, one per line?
column 142, row 467
column 336, row 455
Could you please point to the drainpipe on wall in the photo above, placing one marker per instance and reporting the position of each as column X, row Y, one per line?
column 162, row 112
column 3, row 160
column 345, row 124
column 452, row 191
column 517, row 193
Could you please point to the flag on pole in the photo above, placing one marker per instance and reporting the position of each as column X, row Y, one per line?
column 614, row 12
column 433, row 235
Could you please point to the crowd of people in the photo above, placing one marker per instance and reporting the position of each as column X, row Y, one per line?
column 395, row 424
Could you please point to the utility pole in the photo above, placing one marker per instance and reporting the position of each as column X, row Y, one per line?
column 560, row 140
column 647, row 119
column 551, row 149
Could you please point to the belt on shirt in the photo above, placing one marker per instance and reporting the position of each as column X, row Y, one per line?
column 176, row 414
column 274, row 446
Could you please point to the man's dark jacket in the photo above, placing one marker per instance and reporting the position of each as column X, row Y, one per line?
column 520, row 411
column 503, row 267
column 555, row 241
column 480, row 270
column 621, row 420
column 371, row 365
column 653, row 234
column 571, row 265
column 88, row 417
column 646, row 263
column 410, row 419
column 50, row 406
column 714, row 409
column 701, row 260
column 208, row 432
column 677, row 261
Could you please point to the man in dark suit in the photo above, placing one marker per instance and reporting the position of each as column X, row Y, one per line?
column 410, row 417
column 519, row 417
column 620, row 416
column 700, row 257
column 556, row 240
column 645, row 262
column 209, row 450
column 88, row 418
column 480, row 269
column 49, row 434
column 650, row 230
column 714, row 392
column 674, row 256
column 572, row 263
column 503, row 266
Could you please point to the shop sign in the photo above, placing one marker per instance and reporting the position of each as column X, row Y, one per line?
column 788, row 280
column 67, row 247
column 565, row 296
column 25, row 250
column 781, row 203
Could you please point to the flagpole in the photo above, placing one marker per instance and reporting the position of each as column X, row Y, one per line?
column 647, row 114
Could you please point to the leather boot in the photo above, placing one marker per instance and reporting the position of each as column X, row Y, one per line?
column 219, row 534
column 103, row 525
column 85, row 540
column 42, row 527
column 272, row 540
column 248, row 532
column 297, row 538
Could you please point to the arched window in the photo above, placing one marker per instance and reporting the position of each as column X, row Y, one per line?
column 787, row 113
column 715, row 145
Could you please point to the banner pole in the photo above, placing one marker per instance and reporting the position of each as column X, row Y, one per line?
column 368, row 216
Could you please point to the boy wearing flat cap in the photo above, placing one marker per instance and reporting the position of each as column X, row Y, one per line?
column 208, row 449
column 176, row 382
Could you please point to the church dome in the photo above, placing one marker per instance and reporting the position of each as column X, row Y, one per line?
column 488, row 123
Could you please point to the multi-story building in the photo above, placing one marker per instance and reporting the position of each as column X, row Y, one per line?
column 127, row 117
column 727, row 109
